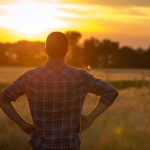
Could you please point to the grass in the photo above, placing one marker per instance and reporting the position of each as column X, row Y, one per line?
column 124, row 126
column 123, row 84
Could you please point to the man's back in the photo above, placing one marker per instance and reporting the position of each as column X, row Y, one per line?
column 56, row 94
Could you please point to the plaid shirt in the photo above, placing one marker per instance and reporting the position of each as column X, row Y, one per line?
column 56, row 94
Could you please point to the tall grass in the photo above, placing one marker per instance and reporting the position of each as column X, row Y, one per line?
column 124, row 126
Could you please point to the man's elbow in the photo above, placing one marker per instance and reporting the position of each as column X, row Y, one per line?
column 3, row 101
column 110, row 97
column 113, row 95
column 115, row 92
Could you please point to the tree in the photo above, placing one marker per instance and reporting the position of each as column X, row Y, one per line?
column 90, row 51
column 74, row 55
column 126, row 57
column 106, row 52
column 146, row 58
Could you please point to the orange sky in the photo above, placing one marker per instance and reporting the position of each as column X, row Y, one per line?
column 125, row 21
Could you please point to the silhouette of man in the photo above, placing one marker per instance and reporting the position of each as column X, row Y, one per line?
column 56, row 93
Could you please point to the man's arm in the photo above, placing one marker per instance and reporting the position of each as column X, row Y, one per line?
column 9, row 94
column 107, row 94
column 87, row 121
column 10, row 111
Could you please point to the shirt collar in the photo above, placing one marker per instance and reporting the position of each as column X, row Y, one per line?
column 51, row 63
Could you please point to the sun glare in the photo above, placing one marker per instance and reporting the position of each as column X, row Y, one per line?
column 29, row 17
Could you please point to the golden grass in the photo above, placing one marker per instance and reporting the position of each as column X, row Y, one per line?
column 124, row 126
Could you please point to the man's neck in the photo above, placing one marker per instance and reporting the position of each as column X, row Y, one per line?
column 55, row 62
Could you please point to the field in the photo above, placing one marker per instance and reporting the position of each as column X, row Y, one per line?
column 8, row 74
column 124, row 126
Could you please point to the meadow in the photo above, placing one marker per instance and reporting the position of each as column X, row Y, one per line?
column 124, row 126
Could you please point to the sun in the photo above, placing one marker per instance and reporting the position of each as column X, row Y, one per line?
column 29, row 17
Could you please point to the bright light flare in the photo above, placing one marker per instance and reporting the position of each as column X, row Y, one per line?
column 30, row 17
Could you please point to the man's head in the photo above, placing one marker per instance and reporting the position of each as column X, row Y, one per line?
column 56, row 45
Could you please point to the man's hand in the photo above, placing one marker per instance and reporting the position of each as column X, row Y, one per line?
column 11, row 112
column 86, row 122
column 27, row 128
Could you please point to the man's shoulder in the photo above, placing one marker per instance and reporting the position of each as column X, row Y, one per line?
column 73, row 69
column 78, row 71
column 32, row 72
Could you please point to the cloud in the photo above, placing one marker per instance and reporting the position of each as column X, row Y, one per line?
column 98, row 2
column 111, row 2
column 8, row 1
column 106, row 12
column 3, row 11
column 122, row 2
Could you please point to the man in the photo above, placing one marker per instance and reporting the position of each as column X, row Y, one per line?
column 56, row 93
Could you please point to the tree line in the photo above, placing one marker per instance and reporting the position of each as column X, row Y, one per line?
column 92, row 51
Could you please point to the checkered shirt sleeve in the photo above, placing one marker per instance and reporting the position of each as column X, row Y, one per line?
column 14, row 90
column 99, row 87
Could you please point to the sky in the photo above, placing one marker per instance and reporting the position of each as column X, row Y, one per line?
column 127, row 22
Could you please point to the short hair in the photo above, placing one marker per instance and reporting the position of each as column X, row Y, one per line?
column 56, row 45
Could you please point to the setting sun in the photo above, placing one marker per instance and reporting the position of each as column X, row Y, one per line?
column 31, row 18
